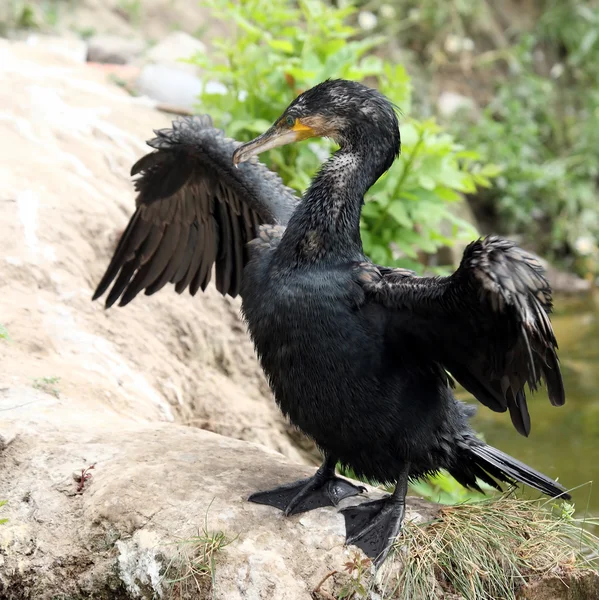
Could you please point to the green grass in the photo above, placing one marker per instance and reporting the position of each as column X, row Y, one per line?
column 488, row 550
column 191, row 572
column 2, row 503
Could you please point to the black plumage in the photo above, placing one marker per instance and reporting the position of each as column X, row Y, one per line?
column 357, row 355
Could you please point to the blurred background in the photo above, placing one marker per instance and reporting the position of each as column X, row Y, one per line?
column 499, row 110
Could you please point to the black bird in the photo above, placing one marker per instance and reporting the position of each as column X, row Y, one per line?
column 357, row 354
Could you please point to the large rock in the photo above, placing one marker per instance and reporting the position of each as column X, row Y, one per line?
column 68, row 140
column 152, row 485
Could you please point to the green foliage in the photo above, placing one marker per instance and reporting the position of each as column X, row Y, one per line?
column 4, row 333
column 2, row 503
column 444, row 489
column 19, row 14
column 132, row 10
column 441, row 488
column 542, row 127
column 281, row 48
column 423, row 24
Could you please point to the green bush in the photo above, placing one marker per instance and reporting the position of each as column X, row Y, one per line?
column 548, row 187
column 542, row 127
column 278, row 49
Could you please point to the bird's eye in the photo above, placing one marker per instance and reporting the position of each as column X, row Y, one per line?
column 290, row 121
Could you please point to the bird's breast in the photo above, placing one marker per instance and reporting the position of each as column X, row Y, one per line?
column 320, row 349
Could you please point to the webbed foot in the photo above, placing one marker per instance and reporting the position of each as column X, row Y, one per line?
column 373, row 526
column 323, row 489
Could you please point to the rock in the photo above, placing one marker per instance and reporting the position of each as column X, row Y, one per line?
column 71, row 48
column 166, row 78
column 174, row 47
column 566, row 283
column 579, row 586
column 153, row 484
column 169, row 85
column 113, row 49
column 68, row 142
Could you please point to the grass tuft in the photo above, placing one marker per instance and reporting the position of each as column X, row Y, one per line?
column 488, row 550
column 191, row 571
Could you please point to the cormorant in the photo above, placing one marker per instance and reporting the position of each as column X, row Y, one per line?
column 358, row 356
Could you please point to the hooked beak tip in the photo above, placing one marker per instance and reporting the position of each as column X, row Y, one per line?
column 236, row 159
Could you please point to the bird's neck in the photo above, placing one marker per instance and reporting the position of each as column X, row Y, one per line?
column 326, row 224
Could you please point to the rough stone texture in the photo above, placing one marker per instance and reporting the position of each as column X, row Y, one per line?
column 152, row 484
column 68, row 140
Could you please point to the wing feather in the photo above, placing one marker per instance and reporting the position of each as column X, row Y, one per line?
column 195, row 211
column 487, row 324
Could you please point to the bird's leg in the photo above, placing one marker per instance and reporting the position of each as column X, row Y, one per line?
column 323, row 489
column 373, row 526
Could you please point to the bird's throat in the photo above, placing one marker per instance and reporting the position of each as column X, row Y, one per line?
column 326, row 224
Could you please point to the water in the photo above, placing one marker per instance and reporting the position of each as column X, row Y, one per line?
column 564, row 441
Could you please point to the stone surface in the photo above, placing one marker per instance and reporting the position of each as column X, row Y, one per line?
column 174, row 47
column 152, row 484
column 68, row 140
column 169, row 85
column 114, row 49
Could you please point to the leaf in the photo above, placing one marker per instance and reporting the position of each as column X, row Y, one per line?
column 491, row 170
column 283, row 45
column 398, row 211
column 427, row 182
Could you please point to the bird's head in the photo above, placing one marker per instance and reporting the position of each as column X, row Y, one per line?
column 346, row 111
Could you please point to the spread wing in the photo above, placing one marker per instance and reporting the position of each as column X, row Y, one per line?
column 195, row 209
column 487, row 324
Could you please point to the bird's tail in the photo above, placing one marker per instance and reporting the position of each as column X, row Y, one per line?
column 504, row 468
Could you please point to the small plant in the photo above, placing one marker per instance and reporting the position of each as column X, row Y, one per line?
column 192, row 570
column 85, row 476
column 442, row 488
column 357, row 567
column 4, row 333
column 47, row 385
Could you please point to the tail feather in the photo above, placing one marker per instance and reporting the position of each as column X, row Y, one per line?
column 505, row 468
